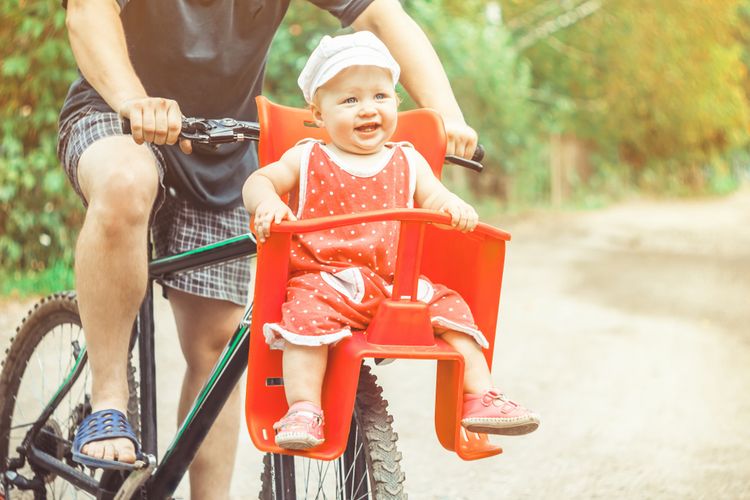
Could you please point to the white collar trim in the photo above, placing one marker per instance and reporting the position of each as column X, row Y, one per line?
column 367, row 171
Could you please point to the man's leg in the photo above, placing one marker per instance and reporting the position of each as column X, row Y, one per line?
column 205, row 325
column 120, row 181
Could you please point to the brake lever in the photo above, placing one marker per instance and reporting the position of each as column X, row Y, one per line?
column 213, row 132
column 195, row 130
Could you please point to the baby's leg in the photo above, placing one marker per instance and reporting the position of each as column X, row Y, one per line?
column 487, row 409
column 477, row 378
column 304, row 368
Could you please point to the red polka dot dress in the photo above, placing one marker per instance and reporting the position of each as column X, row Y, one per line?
column 340, row 275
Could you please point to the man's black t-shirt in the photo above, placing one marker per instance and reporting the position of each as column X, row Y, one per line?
column 209, row 56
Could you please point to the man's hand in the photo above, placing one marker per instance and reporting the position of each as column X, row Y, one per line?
column 156, row 120
column 270, row 210
column 463, row 216
column 462, row 139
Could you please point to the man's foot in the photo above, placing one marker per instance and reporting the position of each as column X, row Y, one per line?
column 493, row 413
column 119, row 449
column 301, row 428
column 105, row 439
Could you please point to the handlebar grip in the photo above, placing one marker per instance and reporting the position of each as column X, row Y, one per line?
column 478, row 154
column 473, row 164
column 125, row 124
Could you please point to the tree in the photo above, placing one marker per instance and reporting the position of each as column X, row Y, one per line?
column 653, row 81
column 493, row 85
column 38, row 211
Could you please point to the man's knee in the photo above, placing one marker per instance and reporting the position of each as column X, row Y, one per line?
column 120, row 180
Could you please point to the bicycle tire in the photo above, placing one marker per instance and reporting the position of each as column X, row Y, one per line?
column 378, row 467
column 49, row 319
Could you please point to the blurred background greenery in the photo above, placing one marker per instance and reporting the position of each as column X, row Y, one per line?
column 578, row 103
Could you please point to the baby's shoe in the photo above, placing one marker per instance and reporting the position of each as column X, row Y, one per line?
column 301, row 427
column 493, row 413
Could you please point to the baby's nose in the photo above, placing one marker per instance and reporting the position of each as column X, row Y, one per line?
column 367, row 109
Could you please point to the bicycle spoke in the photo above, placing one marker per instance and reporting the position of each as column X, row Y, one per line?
column 320, row 480
column 14, row 427
column 22, row 415
column 44, row 379
column 307, row 477
column 359, row 485
column 354, row 460
column 325, row 474
column 59, row 358
column 340, row 481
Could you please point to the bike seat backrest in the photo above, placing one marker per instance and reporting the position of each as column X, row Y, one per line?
column 281, row 127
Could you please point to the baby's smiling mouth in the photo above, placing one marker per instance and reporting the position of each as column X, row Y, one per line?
column 367, row 127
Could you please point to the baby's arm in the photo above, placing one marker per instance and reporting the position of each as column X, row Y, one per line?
column 263, row 190
column 430, row 193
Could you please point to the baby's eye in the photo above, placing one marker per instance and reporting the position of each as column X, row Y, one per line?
column 380, row 96
column 350, row 100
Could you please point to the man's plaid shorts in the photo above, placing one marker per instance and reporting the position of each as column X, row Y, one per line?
column 176, row 225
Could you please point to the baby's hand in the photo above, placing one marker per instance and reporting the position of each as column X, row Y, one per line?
column 463, row 216
column 270, row 211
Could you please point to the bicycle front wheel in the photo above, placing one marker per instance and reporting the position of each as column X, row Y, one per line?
column 46, row 350
column 370, row 468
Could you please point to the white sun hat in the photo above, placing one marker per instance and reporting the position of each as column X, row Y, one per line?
column 332, row 55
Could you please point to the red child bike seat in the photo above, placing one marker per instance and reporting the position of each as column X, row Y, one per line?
column 401, row 326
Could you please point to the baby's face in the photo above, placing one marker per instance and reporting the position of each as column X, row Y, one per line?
column 359, row 108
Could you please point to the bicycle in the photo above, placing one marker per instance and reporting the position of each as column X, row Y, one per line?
column 35, row 447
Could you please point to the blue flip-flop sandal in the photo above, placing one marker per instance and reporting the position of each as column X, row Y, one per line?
column 104, row 424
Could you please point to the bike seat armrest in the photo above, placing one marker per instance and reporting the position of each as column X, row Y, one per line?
column 402, row 214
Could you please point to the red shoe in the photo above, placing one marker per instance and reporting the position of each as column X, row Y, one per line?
column 301, row 427
column 493, row 413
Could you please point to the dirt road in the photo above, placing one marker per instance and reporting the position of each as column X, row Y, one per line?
column 628, row 329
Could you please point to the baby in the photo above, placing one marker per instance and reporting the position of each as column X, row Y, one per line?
column 339, row 276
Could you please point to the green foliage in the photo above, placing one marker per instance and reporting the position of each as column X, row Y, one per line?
column 302, row 29
column 24, row 283
column 493, row 86
column 657, row 85
column 38, row 210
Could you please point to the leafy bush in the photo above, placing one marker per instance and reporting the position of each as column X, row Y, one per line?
column 658, row 86
column 493, row 86
column 302, row 29
column 39, row 213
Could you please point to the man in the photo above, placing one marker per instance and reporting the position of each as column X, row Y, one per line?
column 151, row 62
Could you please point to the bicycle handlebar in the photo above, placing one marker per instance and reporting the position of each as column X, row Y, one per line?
column 228, row 130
